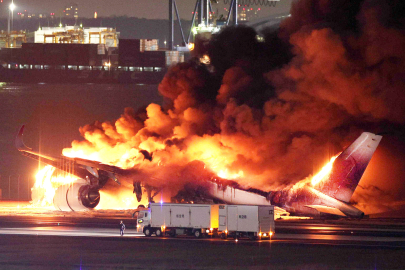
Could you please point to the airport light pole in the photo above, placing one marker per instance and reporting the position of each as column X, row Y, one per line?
column 11, row 12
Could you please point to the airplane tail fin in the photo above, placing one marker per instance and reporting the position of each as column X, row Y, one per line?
column 349, row 167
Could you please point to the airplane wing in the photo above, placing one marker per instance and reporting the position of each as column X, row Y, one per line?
column 327, row 210
column 26, row 151
column 80, row 167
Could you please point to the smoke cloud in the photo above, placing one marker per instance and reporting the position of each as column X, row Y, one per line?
column 270, row 113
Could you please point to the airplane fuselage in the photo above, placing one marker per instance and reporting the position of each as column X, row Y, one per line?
column 307, row 201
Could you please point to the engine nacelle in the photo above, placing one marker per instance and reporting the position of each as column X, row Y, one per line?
column 76, row 196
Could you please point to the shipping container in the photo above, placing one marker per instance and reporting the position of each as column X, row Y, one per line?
column 81, row 54
column 33, row 53
column 129, row 53
column 174, row 57
column 149, row 45
column 154, row 59
column 55, row 54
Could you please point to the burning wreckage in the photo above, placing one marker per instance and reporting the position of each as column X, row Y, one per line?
column 327, row 193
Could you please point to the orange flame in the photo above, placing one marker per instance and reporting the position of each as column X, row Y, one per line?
column 124, row 199
column 46, row 185
column 227, row 175
column 323, row 172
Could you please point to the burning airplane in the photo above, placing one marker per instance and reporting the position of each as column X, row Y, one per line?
column 260, row 115
column 328, row 192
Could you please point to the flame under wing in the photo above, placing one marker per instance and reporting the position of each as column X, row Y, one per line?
column 83, row 193
column 82, row 168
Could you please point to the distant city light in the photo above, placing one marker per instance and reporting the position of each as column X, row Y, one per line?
column 12, row 6
column 95, row 14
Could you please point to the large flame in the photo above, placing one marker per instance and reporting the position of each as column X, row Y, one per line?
column 46, row 184
column 125, row 199
column 323, row 172
column 317, row 178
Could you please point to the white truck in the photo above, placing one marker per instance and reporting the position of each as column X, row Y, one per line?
column 173, row 219
column 253, row 221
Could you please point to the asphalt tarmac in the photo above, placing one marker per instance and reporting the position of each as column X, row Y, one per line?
column 115, row 252
column 74, row 241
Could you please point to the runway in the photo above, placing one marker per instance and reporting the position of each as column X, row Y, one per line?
column 55, row 240
column 315, row 237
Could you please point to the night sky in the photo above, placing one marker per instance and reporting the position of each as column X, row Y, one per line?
column 150, row 9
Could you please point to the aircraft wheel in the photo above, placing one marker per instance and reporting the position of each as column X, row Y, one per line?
column 223, row 236
column 172, row 233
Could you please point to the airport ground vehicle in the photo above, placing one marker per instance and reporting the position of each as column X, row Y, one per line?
column 203, row 219
column 173, row 219
column 253, row 221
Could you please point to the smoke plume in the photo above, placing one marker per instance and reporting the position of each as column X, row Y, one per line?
column 270, row 113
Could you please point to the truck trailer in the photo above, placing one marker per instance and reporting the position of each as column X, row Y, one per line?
column 253, row 221
column 173, row 219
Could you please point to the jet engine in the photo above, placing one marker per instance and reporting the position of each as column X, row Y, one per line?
column 76, row 196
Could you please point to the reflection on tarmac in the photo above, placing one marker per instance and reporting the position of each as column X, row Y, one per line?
column 69, row 231
column 132, row 233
